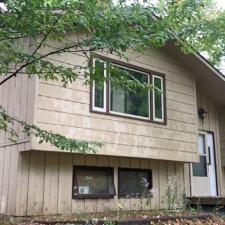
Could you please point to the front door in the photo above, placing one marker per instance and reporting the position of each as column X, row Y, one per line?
column 204, row 173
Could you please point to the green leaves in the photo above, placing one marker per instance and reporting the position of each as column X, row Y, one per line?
column 197, row 26
column 33, row 32
column 57, row 140
column 6, row 124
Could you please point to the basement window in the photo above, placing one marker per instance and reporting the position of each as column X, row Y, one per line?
column 134, row 182
column 93, row 182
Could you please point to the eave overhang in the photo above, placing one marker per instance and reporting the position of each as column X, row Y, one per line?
column 209, row 81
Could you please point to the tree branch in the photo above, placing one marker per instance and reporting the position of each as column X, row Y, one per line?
column 54, row 139
column 58, row 51
column 47, row 34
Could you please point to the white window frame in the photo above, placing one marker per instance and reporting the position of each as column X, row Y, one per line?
column 125, row 114
column 104, row 91
column 162, row 98
column 107, row 93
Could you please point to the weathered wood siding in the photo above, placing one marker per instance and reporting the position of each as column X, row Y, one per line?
column 45, row 183
column 66, row 110
column 222, row 135
column 222, row 145
column 17, row 97
column 212, row 124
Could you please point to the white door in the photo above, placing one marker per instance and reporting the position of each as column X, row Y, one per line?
column 204, row 173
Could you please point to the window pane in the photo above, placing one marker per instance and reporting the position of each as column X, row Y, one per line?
column 134, row 183
column 158, row 98
column 99, row 85
column 201, row 144
column 124, row 185
column 200, row 169
column 93, row 182
column 137, row 183
column 130, row 102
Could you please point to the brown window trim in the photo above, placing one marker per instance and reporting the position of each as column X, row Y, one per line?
column 111, row 172
column 131, row 66
column 149, row 171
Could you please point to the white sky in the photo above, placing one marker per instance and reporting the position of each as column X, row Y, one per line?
column 221, row 3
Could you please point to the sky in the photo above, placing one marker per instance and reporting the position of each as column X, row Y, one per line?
column 221, row 3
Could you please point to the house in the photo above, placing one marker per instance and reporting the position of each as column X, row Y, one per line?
column 147, row 137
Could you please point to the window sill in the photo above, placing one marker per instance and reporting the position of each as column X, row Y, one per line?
column 137, row 197
column 93, row 197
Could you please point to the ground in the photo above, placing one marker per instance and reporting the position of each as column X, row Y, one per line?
column 210, row 221
column 159, row 217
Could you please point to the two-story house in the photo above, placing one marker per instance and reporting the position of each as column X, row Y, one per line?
column 147, row 136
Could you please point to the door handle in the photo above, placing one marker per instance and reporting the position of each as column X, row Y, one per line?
column 209, row 155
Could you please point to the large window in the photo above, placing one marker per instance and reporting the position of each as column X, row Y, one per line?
column 124, row 101
column 134, row 182
column 93, row 182
column 111, row 98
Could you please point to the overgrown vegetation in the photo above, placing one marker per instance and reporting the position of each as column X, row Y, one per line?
column 32, row 32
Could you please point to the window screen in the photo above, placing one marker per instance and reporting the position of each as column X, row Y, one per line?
column 134, row 183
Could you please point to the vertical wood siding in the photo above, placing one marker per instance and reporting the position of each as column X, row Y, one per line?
column 222, row 146
column 9, row 160
column 17, row 97
column 222, row 135
column 46, row 183
column 212, row 124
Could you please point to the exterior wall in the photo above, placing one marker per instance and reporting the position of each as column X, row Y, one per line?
column 45, row 182
column 212, row 124
column 222, row 135
column 66, row 110
column 222, row 144
column 17, row 97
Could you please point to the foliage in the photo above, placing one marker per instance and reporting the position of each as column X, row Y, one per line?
column 32, row 32
column 172, row 196
column 147, row 195
column 73, row 219
column 6, row 122
column 109, row 222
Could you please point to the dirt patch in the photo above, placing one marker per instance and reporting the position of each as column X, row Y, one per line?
column 125, row 218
